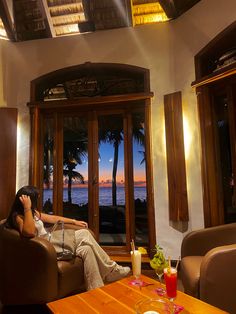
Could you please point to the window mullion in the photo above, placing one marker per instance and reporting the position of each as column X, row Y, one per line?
column 93, row 172
column 129, row 183
column 149, row 175
column 58, row 165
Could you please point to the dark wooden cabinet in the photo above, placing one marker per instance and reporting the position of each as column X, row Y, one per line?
column 217, row 59
column 8, row 136
column 215, row 84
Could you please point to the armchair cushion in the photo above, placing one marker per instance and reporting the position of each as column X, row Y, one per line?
column 70, row 277
column 208, row 259
column 199, row 242
column 190, row 274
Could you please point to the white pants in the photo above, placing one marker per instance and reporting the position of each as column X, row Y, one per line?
column 97, row 264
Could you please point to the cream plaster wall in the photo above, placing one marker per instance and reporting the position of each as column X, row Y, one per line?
column 167, row 50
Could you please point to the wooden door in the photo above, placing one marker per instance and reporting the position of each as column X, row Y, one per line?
column 94, row 166
column 8, row 135
column 217, row 107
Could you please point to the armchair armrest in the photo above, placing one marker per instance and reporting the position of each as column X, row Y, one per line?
column 30, row 266
column 199, row 242
column 218, row 277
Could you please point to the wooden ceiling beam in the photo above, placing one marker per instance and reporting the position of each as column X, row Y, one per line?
column 174, row 8
column 49, row 24
column 170, row 8
column 7, row 21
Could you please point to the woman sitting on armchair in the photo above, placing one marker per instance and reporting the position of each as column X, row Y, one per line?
column 29, row 221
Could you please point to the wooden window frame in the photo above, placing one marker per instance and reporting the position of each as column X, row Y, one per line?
column 8, row 134
column 37, row 110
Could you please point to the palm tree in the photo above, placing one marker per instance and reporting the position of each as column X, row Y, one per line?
column 75, row 150
column 138, row 128
column 112, row 132
column 144, row 156
column 114, row 137
column 71, row 163
column 47, row 169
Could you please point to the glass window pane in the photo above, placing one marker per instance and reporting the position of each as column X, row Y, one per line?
column 222, row 114
column 111, row 180
column 139, row 170
column 48, row 166
column 75, row 168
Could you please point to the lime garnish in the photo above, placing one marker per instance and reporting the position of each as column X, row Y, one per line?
column 142, row 250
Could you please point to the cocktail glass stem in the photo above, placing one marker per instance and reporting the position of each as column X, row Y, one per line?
column 159, row 275
column 172, row 308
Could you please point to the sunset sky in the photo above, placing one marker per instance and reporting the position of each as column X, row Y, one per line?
column 106, row 163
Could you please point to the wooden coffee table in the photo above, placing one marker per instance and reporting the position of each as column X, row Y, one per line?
column 120, row 298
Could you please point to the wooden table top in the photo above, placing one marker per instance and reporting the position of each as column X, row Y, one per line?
column 120, row 298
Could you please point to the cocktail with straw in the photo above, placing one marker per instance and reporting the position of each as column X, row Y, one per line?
column 170, row 275
column 136, row 261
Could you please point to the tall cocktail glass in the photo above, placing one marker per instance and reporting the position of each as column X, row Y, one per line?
column 170, row 276
column 136, row 263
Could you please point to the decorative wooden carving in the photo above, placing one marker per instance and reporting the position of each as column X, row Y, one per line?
column 8, row 134
column 178, row 202
column 90, row 80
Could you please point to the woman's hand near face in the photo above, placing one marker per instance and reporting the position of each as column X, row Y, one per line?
column 26, row 224
column 26, row 202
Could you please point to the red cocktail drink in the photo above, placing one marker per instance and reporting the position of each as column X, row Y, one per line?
column 170, row 276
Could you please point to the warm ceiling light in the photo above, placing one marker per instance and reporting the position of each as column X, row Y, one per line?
column 3, row 34
column 146, row 13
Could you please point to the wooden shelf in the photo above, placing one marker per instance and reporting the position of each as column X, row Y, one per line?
column 207, row 59
column 216, row 75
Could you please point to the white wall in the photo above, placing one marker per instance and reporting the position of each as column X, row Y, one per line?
column 166, row 49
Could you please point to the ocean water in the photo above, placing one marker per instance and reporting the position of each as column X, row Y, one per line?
column 80, row 195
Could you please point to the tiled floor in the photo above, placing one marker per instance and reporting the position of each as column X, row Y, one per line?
column 42, row 309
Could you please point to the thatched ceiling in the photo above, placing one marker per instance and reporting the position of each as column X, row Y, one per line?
column 34, row 19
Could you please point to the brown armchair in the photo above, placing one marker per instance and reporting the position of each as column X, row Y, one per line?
column 30, row 272
column 208, row 265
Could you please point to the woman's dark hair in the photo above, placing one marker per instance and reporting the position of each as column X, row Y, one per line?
column 17, row 207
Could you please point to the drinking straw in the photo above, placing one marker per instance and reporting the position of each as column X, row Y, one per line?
column 132, row 245
column 169, row 265
column 177, row 264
